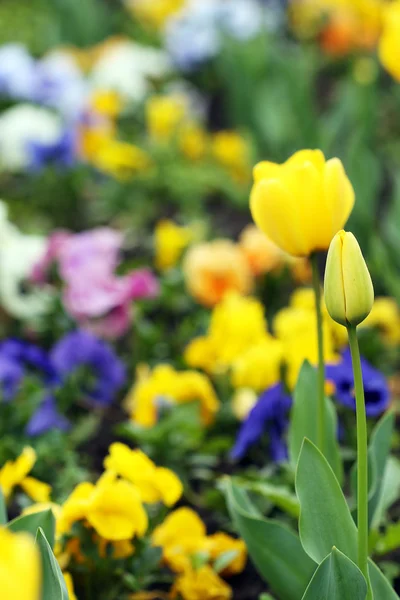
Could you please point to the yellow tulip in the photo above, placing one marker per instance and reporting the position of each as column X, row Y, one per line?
column 349, row 293
column 301, row 204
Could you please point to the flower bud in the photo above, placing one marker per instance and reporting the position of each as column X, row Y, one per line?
column 349, row 293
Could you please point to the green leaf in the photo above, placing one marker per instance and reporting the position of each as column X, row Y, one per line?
column 53, row 584
column 224, row 560
column 304, row 424
column 325, row 519
column 274, row 549
column 390, row 490
column 380, row 586
column 279, row 495
column 337, row 578
column 31, row 523
column 3, row 509
column 378, row 452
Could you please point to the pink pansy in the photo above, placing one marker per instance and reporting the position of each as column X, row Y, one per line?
column 143, row 284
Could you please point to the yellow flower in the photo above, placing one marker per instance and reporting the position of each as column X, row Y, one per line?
column 262, row 255
column 70, row 586
column 154, row 12
column 181, row 535
column 170, row 240
column 174, row 386
column 203, row 584
column 121, row 159
column 385, row 316
column 301, row 204
column 389, row 47
column 259, row 367
column 115, row 509
column 20, row 567
column 232, row 151
column 212, row 269
column 163, row 115
column 192, row 140
column 349, row 293
column 237, row 324
column 243, row 401
column 155, row 484
column 107, row 103
column 220, row 543
column 15, row 473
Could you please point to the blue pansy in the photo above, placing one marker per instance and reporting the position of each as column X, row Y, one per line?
column 377, row 394
column 269, row 415
column 47, row 417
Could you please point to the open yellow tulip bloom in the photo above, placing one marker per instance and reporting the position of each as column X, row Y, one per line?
column 301, row 204
column 349, row 293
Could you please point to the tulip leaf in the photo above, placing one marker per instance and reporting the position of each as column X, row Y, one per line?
column 304, row 424
column 53, row 583
column 32, row 522
column 3, row 509
column 390, row 490
column 381, row 588
column 274, row 549
column 378, row 452
column 325, row 519
column 337, row 578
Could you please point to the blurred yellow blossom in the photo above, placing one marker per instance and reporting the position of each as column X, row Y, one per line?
column 259, row 366
column 170, row 240
column 389, row 46
column 155, row 484
column 212, row 269
column 15, row 473
column 243, row 400
column 163, row 116
column 154, row 12
column 220, row 543
column 237, row 324
column 166, row 384
column 70, row 586
column 193, row 140
column 107, row 103
column 121, row 159
column 263, row 255
column 301, row 204
column 20, row 567
column 385, row 316
column 203, row 584
column 232, row 151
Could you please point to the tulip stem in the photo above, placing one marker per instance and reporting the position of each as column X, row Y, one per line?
column 362, row 458
column 321, row 362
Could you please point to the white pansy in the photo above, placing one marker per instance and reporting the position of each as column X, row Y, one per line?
column 127, row 67
column 20, row 125
column 18, row 255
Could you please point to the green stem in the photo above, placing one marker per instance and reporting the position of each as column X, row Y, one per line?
column 321, row 362
column 362, row 459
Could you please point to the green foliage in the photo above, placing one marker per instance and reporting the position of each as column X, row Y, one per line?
column 53, row 586
column 31, row 523
column 325, row 519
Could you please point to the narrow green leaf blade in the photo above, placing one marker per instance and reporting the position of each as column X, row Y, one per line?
column 380, row 586
column 31, row 523
column 337, row 578
column 380, row 448
column 274, row 549
column 304, row 424
column 325, row 519
column 53, row 584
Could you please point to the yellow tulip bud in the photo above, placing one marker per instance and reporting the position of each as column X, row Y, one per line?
column 349, row 293
column 301, row 204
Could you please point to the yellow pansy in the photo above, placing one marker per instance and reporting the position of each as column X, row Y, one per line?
column 193, row 140
column 170, row 240
column 163, row 115
column 385, row 316
column 15, row 473
column 20, row 567
column 203, row 584
column 154, row 12
column 176, row 387
column 155, row 484
column 232, row 151
column 301, row 204
column 107, row 103
column 212, row 269
column 244, row 399
column 220, row 543
column 121, row 159
column 70, row 586
column 259, row 366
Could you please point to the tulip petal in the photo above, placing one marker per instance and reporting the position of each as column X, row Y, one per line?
column 359, row 291
column 266, row 170
column 339, row 195
column 335, row 298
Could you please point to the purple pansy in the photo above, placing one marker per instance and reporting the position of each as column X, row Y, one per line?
column 269, row 416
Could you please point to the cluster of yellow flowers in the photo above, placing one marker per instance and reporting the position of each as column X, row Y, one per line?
column 389, row 47
column 167, row 385
column 154, row 13
column 184, row 541
column 16, row 473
